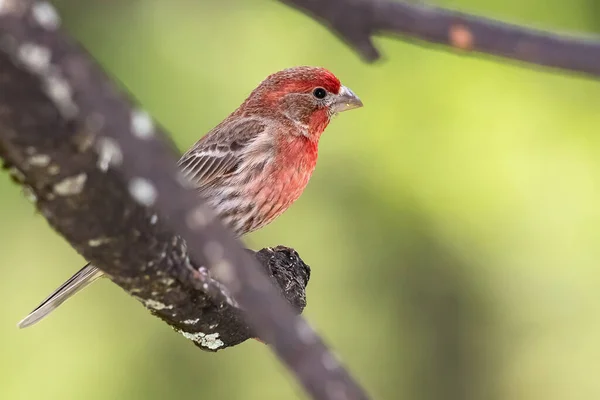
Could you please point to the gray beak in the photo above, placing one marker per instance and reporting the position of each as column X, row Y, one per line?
column 346, row 100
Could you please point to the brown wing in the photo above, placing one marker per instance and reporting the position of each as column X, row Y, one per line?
column 218, row 154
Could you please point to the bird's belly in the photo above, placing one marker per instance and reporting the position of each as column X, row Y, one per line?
column 278, row 194
column 247, row 205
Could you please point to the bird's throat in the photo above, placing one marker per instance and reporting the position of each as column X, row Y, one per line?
column 317, row 123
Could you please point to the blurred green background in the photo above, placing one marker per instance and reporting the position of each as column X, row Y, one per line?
column 452, row 224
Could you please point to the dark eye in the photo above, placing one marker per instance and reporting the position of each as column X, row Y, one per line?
column 319, row 93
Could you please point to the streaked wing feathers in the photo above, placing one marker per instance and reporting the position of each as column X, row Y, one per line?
column 218, row 154
column 204, row 165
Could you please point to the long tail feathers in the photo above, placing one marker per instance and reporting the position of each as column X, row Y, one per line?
column 80, row 280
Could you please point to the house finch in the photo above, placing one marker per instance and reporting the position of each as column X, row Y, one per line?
column 252, row 166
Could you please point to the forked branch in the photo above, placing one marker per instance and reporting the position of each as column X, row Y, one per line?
column 357, row 21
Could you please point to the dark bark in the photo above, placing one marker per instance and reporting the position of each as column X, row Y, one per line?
column 106, row 179
column 56, row 161
column 356, row 21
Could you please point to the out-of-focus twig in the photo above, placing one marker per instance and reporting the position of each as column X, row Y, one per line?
column 357, row 21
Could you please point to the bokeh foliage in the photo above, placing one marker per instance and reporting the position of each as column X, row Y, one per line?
column 452, row 225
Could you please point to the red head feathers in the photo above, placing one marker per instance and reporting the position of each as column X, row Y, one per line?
column 303, row 79
column 306, row 96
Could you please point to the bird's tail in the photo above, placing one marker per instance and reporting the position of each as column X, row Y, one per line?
column 80, row 280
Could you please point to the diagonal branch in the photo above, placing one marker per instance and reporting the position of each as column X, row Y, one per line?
column 356, row 21
column 52, row 154
column 106, row 179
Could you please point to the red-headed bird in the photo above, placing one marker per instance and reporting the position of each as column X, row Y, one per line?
column 256, row 163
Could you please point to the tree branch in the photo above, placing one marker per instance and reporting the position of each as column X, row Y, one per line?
column 356, row 21
column 106, row 179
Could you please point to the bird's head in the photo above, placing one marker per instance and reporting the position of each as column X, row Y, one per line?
column 308, row 96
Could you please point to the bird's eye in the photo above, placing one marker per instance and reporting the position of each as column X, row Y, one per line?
column 319, row 93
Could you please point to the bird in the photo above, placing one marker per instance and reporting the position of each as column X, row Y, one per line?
column 255, row 164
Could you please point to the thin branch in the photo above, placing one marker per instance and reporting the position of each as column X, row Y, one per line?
column 356, row 21
column 90, row 156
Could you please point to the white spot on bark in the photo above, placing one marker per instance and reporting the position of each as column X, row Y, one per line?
column 305, row 331
column 214, row 252
column 7, row 6
column 213, row 326
column 45, row 14
column 59, row 91
column 153, row 219
column 16, row 174
column 199, row 217
column 70, row 186
column 330, row 361
column 210, row 341
column 84, row 141
column 168, row 281
column 141, row 124
column 109, row 153
column 224, row 271
column 157, row 305
column 203, row 270
column 29, row 194
column 143, row 191
column 53, row 169
column 35, row 58
column 98, row 241
column 46, row 213
column 191, row 321
column 39, row 160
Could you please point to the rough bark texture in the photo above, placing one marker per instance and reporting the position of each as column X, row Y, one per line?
column 106, row 179
column 356, row 21
column 55, row 159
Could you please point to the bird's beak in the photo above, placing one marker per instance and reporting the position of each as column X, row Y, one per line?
column 346, row 100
